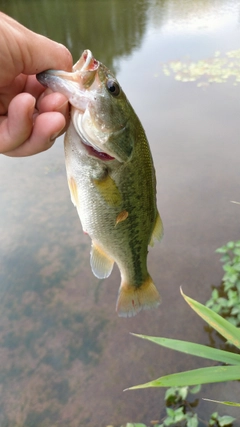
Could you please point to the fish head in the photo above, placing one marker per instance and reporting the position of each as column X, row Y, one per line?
column 100, row 112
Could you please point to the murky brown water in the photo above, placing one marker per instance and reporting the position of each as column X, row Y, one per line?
column 65, row 356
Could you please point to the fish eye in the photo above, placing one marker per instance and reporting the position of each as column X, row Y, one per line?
column 113, row 87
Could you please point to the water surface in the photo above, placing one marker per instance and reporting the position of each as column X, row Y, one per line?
column 65, row 356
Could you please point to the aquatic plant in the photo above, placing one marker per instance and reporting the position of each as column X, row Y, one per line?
column 218, row 69
column 179, row 411
column 212, row 374
column 225, row 299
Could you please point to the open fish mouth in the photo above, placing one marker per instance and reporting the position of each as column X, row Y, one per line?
column 87, row 66
column 91, row 148
column 75, row 86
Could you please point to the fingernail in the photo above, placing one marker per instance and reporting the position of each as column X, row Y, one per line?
column 62, row 108
column 55, row 135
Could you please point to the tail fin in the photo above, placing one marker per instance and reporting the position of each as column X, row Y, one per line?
column 132, row 299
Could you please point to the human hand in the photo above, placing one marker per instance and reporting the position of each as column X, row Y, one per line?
column 31, row 117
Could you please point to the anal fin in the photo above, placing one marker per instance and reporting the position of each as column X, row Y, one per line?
column 100, row 263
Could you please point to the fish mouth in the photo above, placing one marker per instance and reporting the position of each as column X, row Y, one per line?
column 90, row 147
column 74, row 85
column 98, row 154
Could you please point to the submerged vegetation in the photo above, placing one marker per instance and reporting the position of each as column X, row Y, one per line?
column 218, row 69
column 180, row 412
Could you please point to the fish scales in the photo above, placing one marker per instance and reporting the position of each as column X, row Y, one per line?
column 111, row 178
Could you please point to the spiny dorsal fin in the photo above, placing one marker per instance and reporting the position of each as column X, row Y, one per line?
column 100, row 263
column 157, row 231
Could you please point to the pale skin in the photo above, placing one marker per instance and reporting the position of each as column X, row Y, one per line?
column 31, row 116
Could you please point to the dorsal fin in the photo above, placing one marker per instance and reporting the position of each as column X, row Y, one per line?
column 100, row 263
column 157, row 231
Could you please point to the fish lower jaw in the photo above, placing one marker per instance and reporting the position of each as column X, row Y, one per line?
column 94, row 152
column 89, row 147
column 99, row 154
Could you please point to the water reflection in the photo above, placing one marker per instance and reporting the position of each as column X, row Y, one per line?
column 65, row 356
column 111, row 29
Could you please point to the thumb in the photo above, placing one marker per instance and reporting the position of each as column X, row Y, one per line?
column 24, row 51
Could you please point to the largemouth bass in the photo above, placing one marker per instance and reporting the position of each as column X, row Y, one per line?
column 111, row 178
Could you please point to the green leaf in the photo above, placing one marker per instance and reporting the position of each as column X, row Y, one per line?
column 222, row 250
column 135, row 425
column 193, row 421
column 229, row 269
column 168, row 421
column 225, row 328
column 170, row 412
column 175, row 394
column 237, row 266
column 236, row 251
column 171, row 393
column 196, row 376
column 214, row 415
column 233, row 278
column 225, row 258
column 195, row 349
column 223, row 402
column 230, row 245
column 179, row 415
column 215, row 294
column 196, row 389
column 223, row 301
column 226, row 420
column 235, row 310
column 183, row 392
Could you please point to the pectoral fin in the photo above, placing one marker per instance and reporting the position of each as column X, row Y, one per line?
column 157, row 231
column 108, row 190
column 73, row 191
column 100, row 263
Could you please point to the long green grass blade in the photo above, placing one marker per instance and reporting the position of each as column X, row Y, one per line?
column 225, row 328
column 223, row 403
column 209, row 375
column 195, row 349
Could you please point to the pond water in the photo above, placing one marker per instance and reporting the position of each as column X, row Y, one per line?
column 65, row 356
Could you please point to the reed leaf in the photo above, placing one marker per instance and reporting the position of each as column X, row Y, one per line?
column 208, row 375
column 222, row 402
column 195, row 349
column 225, row 328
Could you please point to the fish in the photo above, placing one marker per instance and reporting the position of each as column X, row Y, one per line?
column 111, row 178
